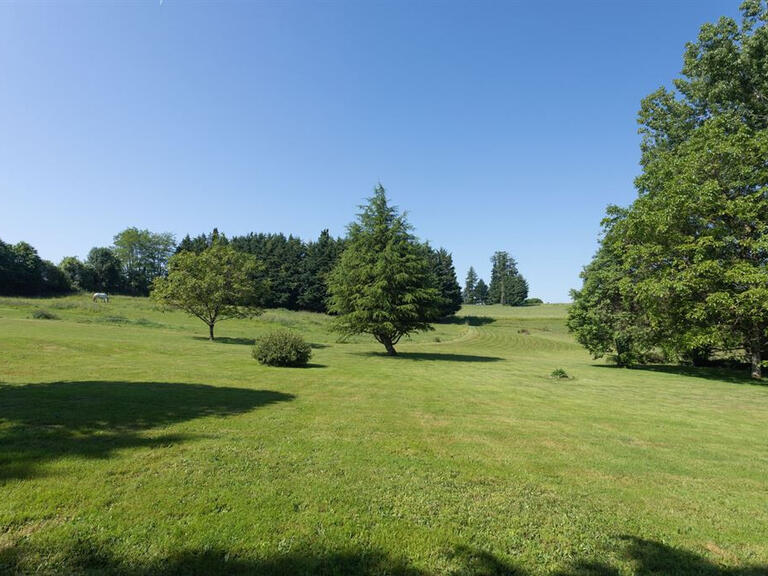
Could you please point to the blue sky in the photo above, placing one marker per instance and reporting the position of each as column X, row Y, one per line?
column 496, row 125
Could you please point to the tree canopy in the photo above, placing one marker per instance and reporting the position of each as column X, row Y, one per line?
column 212, row 285
column 383, row 284
column 685, row 266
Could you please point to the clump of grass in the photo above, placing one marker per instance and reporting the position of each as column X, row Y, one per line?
column 437, row 339
column 43, row 314
column 523, row 331
column 559, row 374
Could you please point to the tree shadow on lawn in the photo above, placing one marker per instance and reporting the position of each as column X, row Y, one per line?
column 648, row 558
column 467, row 320
column 47, row 421
column 432, row 356
column 730, row 375
column 228, row 340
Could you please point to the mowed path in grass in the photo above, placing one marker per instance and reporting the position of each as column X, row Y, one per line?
column 129, row 444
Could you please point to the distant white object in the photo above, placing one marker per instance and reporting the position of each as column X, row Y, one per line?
column 102, row 296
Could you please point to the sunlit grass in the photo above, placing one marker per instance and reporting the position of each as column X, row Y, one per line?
column 130, row 444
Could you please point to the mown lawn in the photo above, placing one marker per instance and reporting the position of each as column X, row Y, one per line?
column 129, row 444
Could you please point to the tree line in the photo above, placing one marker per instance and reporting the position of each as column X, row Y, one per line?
column 507, row 286
column 292, row 273
column 682, row 273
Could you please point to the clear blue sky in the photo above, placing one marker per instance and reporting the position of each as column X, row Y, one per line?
column 496, row 125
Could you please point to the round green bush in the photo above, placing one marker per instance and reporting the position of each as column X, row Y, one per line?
column 42, row 314
column 282, row 348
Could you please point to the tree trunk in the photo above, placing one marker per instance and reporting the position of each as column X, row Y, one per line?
column 210, row 332
column 388, row 345
column 757, row 363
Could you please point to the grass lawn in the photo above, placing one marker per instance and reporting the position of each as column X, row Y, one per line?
column 129, row 444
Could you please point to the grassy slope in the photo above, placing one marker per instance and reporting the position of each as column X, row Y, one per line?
column 130, row 444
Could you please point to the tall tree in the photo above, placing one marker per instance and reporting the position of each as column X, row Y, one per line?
column 447, row 284
column 213, row 285
column 319, row 259
column 507, row 285
column 106, row 270
column 469, row 286
column 383, row 284
column 694, row 251
column 144, row 256
column 481, row 292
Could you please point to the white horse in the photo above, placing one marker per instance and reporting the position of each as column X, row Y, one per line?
column 101, row 296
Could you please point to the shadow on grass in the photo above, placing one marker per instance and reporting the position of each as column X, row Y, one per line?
column 228, row 340
column 647, row 558
column 467, row 320
column 731, row 375
column 44, row 422
column 86, row 558
column 432, row 356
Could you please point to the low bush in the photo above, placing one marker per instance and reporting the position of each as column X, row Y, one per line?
column 42, row 314
column 559, row 374
column 282, row 348
column 533, row 301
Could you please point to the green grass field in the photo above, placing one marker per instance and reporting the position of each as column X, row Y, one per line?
column 129, row 444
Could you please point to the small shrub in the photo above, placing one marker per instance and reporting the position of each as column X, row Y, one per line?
column 437, row 339
column 42, row 314
column 282, row 348
column 533, row 301
column 559, row 374
column 523, row 331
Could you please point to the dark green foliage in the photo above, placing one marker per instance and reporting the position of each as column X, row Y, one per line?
column 144, row 256
column 383, row 284
column 447, row 284
column 106, row 269
column 319, row 259
column 201, row 242
column 470, row 283
column 282, row 348
column 24, row 273
column 559, row 374
column 533, row 301
column 79, row 275
column 481, row 295
column 507, row 284
column 283, row 259
column 42, row 314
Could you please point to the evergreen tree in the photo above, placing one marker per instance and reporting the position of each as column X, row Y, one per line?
column 447, row 284
column 481, row 292
column 469, row 286
column 507, row 285
column 383, row 284
column 320, row 258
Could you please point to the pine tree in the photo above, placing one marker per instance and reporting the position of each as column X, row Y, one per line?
column 469, row 286
column 383, row 284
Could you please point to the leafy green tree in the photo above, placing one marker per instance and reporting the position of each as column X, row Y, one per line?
column 481, row 292
column 79, row 275
column 469, row 286
column 213, row 285
column 693, row 247
column 106, row 270
column 447, row 284
column 605, row 316
column 144, row 256
column 383, row 284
